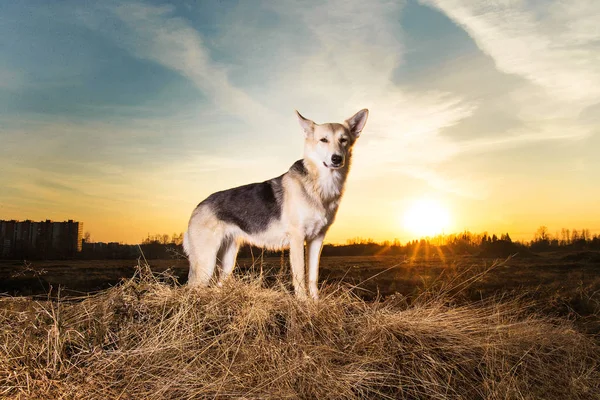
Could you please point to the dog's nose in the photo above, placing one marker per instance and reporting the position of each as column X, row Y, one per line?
column 336, row 159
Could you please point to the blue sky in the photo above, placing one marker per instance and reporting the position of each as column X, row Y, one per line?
column 125, row 115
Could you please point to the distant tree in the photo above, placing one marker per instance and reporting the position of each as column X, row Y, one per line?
column 87, row 236
column 580, row 238
column 542, row 235
column 177, row 239
column 541, row 239
column 574, row 236
column 585, row 234
column 565, row 237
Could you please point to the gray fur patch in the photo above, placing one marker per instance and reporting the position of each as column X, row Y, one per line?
column 299, row 167
column 251, row 207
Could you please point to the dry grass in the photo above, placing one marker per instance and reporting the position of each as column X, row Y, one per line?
column 150, row 339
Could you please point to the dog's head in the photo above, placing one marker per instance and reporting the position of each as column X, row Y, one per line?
column 329, row 145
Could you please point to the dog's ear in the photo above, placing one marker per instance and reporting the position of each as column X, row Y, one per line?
column 307, row 125
column 357, row 122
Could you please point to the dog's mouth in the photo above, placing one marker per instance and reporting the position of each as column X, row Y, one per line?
column 333, row 166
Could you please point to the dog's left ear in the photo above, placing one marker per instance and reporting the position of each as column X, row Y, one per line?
column 357, row 122
column 307, row 125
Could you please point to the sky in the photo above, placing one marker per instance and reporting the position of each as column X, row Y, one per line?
column 125, row 115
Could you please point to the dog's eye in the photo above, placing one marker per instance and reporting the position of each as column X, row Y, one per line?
column 324, row 140
column 343, row 140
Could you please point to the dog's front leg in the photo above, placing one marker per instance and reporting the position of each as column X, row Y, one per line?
column 314, row 254
column 297, row 262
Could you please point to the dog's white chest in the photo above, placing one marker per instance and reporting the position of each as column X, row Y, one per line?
column 319, row 219
column 330, row 186
column 314, row 226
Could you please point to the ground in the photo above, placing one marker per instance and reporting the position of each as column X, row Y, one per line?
column 385, row 327
column 565, row 282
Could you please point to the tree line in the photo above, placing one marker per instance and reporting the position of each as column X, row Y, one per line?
column 161, row 246
column 164, row 246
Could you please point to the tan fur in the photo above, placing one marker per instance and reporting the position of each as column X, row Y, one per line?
column 310, row 203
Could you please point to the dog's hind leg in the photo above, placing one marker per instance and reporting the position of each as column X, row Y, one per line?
column 203, row 248
column 228, row 257
column 202, row 242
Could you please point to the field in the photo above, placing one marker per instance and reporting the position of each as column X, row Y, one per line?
column 386, row 327
column 568, row 283
column 563, row 283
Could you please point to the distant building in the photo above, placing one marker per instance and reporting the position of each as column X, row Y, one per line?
column 44, row 239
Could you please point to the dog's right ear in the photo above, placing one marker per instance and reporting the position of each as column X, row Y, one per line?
column 307, row 125
column 357, row 122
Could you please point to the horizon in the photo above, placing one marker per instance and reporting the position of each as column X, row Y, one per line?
column 562, row 234
column 125, row 115
column 556, row 234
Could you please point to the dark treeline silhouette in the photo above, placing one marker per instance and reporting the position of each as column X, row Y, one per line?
column 573, row 239
column 159, row 246
column 164, row 246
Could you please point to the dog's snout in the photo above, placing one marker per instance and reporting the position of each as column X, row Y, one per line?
column 336, row 159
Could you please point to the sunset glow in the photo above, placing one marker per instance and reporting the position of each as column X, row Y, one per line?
column 124, row 115
column 426, row 217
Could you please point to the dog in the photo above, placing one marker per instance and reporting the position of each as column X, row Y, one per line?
column 284, row 212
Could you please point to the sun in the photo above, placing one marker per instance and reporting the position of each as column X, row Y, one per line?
column 426, row 217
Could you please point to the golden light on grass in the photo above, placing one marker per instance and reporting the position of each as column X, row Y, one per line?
column 149, row 338
column 426, row 217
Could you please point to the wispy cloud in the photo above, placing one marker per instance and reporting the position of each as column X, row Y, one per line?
column 522, row 137
column 350, row 65
column 554, row 49
column 554, row 44
column 346, row 66
column 154, row 33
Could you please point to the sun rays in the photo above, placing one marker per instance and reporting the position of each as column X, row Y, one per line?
column 426, row 217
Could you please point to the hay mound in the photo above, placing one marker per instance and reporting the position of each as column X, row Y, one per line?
column 150, row 339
